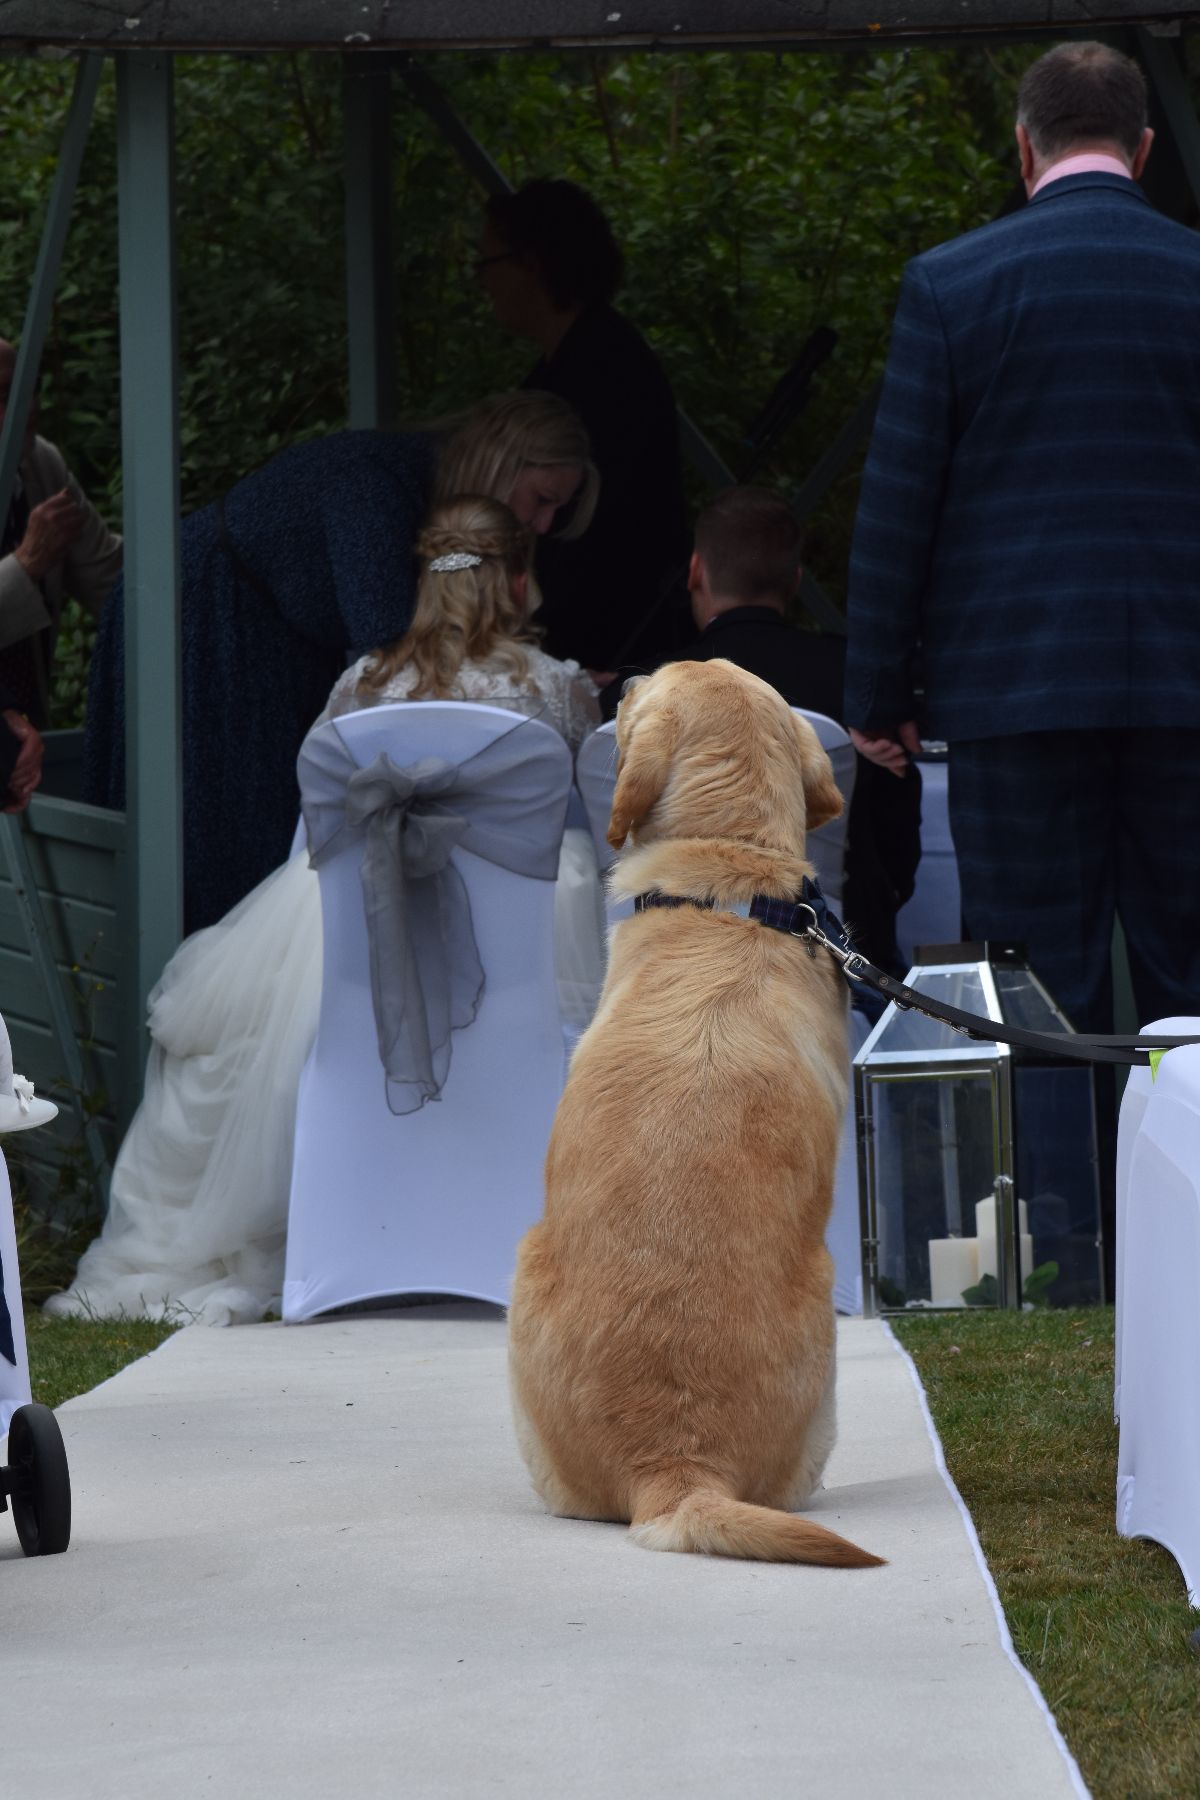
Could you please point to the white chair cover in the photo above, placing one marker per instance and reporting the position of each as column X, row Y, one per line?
column 933, row 913
column 596, row 774
column 14, row 1363
column 827, row 844
column 1138, row 1087
column 596, row 778
column 432, row 1201
column 843, row 1239
column 1158, row 1321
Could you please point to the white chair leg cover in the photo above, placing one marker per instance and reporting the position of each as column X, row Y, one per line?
column 1138, row 1086
column 933, row 913
column 843, row 1239
column 433, row 1201
column 1158, row 1467
column 826, row 846
column 14, row 1376
column 596, row 778
column 580, row 931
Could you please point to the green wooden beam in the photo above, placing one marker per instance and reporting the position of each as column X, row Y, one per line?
column 45, row 274
column 370, row 299
column 150, row 458
column 466, row 146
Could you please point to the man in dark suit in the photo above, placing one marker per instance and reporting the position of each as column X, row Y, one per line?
column 744, row 572
column 1028, row 541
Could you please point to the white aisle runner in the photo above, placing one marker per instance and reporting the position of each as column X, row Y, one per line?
column 307, row 1563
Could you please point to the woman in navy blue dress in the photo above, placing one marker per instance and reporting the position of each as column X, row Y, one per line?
column 303, row 564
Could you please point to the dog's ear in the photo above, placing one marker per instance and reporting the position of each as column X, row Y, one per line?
column 644, row 771
column 822, row 799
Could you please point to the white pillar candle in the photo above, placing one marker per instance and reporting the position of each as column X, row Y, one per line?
column 985, row 1231
column 953, row 1266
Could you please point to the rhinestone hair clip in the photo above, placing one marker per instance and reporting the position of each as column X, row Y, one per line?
column 455, row 559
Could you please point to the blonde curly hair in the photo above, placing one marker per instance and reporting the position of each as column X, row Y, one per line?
column 486, row 450
column 467, row 614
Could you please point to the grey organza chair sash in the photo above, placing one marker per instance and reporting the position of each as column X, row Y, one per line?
column 426, row 976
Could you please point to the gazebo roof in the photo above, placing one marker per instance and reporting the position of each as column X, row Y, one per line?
column 527, row 24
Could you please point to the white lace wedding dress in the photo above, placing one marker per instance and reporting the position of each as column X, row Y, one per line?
column 198, row 1211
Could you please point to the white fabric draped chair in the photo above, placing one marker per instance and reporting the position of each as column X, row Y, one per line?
column 933, row 912
column 827, row 844
column 596, row 778
column 1139, row 1085
column 596, row 774
column 14, row 1373
column 1158, row 1321
column 433, row 1200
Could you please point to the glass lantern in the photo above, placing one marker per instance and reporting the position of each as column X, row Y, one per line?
column 977, row 1162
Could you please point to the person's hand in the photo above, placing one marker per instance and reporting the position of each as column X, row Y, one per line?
column 602, row 677
column 27, row 771
column 53, row 527
column 891, row 753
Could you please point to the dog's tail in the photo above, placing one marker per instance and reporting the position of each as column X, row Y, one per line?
column 713, row 1524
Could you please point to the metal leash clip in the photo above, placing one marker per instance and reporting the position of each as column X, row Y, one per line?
column 810, row 933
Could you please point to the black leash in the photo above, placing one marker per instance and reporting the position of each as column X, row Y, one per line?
column 810, row 920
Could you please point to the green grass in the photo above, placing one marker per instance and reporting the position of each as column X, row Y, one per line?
column 69, row 1356
column 1023, row 1403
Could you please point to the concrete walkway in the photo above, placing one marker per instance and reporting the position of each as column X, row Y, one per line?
column 307, row 1562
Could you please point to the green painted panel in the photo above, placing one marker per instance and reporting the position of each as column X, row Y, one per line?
column 76, row 823
column 36, row 1053
column 79, row 931
column 82, row 871
column 92, row 1004
column 77, row 856
column 48, row 1143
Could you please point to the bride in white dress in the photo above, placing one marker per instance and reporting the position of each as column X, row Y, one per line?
column 198, row 1211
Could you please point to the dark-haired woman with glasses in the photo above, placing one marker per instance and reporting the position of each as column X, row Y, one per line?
column 551, row 268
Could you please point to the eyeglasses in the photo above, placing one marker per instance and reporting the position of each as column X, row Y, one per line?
column 485, row 262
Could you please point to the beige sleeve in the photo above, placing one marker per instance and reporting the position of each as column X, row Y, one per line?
column 94, row 559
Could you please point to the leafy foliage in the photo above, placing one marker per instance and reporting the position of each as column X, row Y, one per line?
column 756, row 195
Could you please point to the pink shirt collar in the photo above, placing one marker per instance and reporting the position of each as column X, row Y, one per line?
column 1082, row 165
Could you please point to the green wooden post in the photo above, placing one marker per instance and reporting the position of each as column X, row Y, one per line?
column 150, row 455
column 370, row 300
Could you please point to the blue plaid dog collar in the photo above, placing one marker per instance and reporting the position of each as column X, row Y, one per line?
column 793, row 917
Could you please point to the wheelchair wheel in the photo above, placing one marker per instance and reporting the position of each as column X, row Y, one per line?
column 39, row 1481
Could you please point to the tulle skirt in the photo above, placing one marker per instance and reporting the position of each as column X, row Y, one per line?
column 197, row 1218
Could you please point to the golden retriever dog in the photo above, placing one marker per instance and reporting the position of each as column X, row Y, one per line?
column 671, row 1335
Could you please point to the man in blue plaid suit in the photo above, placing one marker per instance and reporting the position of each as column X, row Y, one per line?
column 1028, row 547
